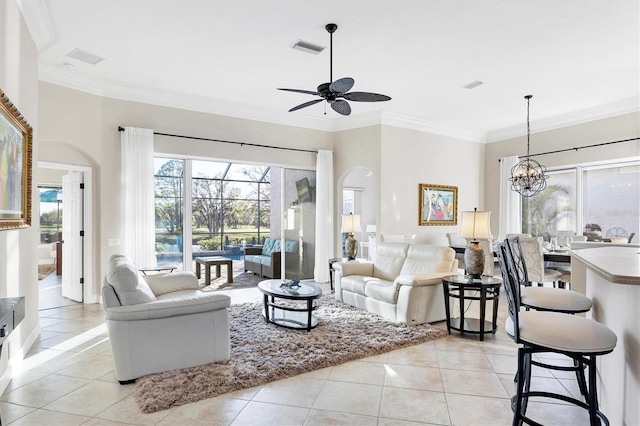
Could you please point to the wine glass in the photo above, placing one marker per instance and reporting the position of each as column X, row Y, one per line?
column 554, row 243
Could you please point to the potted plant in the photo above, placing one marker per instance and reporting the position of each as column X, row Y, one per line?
column 592, row 231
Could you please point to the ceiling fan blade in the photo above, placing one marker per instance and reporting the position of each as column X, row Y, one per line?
column 306, row 104
column 366, row 97
column 341, row 107
column 308, row 92
column 342, row 85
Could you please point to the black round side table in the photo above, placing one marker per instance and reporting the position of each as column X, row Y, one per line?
column 456, row 286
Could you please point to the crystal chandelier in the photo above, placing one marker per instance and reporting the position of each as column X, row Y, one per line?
column 527, row 177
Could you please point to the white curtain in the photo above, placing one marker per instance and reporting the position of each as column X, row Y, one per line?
column 510, row 218
column 324, row 215
column 137, row 220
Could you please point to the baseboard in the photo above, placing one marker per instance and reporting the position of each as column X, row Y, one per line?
column 17, row 358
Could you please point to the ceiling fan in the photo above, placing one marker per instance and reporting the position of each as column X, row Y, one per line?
column 333, row 91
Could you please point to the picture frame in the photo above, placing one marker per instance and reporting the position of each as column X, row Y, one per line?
column 16, row 149
column 438, row 205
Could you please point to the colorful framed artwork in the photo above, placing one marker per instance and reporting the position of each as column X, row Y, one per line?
column 16, row 144
column 438, row 205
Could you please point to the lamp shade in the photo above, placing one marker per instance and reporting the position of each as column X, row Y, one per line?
column 371, row 228
column 475, row 225
column 351, row 223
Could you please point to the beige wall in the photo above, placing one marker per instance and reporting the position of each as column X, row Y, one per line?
column 82, row 129
column 18, row 265
column 409, row 158
column 621, row 127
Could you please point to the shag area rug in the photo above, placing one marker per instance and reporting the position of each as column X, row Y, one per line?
column 262, row 353
column 45, row 270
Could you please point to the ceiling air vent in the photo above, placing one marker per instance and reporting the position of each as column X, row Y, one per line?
column 305, row 46
column 84, row 56
column 473, row 84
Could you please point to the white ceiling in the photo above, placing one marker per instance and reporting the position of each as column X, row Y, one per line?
column 579, row 59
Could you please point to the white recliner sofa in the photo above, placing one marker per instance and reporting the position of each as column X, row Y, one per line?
column 403, row 284
column 158, row 323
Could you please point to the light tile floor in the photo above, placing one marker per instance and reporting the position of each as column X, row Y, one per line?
column 67, row 379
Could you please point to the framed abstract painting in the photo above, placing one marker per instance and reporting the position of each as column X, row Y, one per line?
column 16, row 144
column 438, row 205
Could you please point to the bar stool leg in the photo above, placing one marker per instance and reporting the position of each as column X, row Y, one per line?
column 582, row 382
column 517, row 409
column 593, row 394
column 527, row 381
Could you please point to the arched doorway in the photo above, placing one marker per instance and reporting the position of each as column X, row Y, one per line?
column 358, row 194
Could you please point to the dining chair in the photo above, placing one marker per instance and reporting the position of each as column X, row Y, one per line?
column 455, row 240
column 564, row 236
column 574, row 238
column 538, row 332
column 534, row 257
column 565, row 268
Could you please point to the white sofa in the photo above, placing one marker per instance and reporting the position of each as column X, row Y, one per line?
column 402, row 285
column 158, row 323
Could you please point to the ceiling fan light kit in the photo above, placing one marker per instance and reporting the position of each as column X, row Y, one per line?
column 336, row 93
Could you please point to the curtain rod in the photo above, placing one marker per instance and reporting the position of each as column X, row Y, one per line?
column 121, row 129
column 582, row 147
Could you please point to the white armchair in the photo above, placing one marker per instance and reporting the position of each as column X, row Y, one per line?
column 158, row 323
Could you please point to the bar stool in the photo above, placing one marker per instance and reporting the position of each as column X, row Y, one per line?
column 579, row 338
column 548, row 299
column 543, row 298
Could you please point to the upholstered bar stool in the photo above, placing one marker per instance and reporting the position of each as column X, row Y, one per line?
column 548, row 299
column 579, row 338
column 543, row 298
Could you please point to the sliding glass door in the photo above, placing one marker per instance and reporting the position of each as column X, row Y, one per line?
column 212, row 208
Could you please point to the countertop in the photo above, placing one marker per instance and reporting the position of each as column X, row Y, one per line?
column 616, row 264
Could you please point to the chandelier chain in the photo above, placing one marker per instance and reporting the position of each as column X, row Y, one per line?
column 528, row 176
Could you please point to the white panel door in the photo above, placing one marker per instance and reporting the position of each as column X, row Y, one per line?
column 72, row 241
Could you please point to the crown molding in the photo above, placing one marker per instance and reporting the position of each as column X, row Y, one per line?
column 356, row 121
column 197, row 103
column 613, row 109
column 390, row 119
column 99, row 87
column 36, row 15
column 413, row 123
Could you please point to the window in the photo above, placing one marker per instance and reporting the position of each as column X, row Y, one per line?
column 552, row 211
column 611, row 200
column 600, row 202
column 169, row 182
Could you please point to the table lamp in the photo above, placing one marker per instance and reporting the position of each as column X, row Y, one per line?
column 475, row 225
column 351, row 224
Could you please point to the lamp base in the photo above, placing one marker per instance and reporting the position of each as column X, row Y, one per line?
column 351, row 247
column 474, row 259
